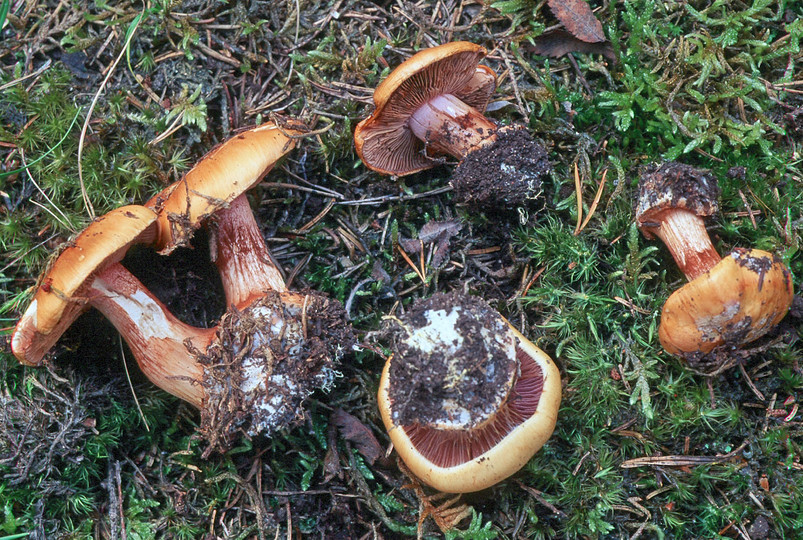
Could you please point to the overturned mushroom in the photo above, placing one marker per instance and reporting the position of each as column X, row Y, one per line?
column 466, row 399
column 432, row 105
column 270, row 350
column 70, row 285
column 728, row 301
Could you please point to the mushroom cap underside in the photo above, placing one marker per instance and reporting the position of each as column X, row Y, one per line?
column 456, row 362
column 671, row 186
column 737, row 301
column 510, row 454
column 226, row 172
column 383, row 141
column 57, row 303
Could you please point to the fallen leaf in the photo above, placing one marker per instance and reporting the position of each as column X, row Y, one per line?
column 560, row 42
column 379, row 273
column 331, row 461
column 433, row 229
column 437, row 232
column 578, row 19
column 441, row 233
column 358, row 433
column 410, row 245
column 497, row 105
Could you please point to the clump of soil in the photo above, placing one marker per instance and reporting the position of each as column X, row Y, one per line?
column 454, row 363
column 504, row 175
column 675, row 185
column 266, row 360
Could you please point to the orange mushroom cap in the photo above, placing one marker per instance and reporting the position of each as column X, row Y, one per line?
column 221, row 176
column 737, row 301
column 58, row 301
column 384, row 141
column 459, row 454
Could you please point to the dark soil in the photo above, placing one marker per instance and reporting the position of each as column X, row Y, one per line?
column 266, row 360
column 504, row 175
column 760, row 265
column 794, row 121
column 476, row 375
column 186, row 281
column 675, row 185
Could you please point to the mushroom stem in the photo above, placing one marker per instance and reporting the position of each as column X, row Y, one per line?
column 685, row 235
column 447, row 124
column 244, row 261
column 155, row 337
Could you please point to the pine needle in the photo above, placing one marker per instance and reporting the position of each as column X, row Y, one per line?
column 578, row 188
column 594, row 204
column 130, row 384
column 129, row 36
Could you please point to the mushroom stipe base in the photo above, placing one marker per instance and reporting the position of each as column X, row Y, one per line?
column 437, row 366
column 503, row 459
column 265, row 360
column 438, row 445
column 466, row 399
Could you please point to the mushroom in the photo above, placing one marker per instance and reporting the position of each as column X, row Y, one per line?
column 466, row 399
column 432, row 104
column 269, row 351
column 68, row 288
column 728, row 301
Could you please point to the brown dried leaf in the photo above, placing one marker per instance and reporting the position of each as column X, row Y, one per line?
column 379, row 273
column 578, row 19
column 433, row 229
column 358, row 433
column 331, row 462
column 559, row 43
column 440, row 232
column 410, row 245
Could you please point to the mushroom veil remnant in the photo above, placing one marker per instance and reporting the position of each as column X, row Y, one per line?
column 466, row 399
column 729, row 300
column 431, row 105
column 270, row 350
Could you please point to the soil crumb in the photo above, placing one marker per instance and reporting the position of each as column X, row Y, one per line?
column 454, row 362
column 504, row 175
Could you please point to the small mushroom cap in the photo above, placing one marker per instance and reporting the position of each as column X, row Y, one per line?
column 675, row 186
column 737, row 301
column 383, row 141
column 504, row 459
column 222, row 175
column 57, row 302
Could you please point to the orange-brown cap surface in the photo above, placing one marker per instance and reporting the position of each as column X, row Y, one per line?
column 383, row 140
column 223, row 174
column 506, row 456
column 736, row 302
column 57, row 301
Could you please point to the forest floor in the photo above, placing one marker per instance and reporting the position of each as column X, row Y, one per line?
column 644, row 446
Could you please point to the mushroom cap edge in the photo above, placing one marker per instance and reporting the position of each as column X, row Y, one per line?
column 53, row 308
column 503, row 460
column 761, row 291
column 210, row 185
